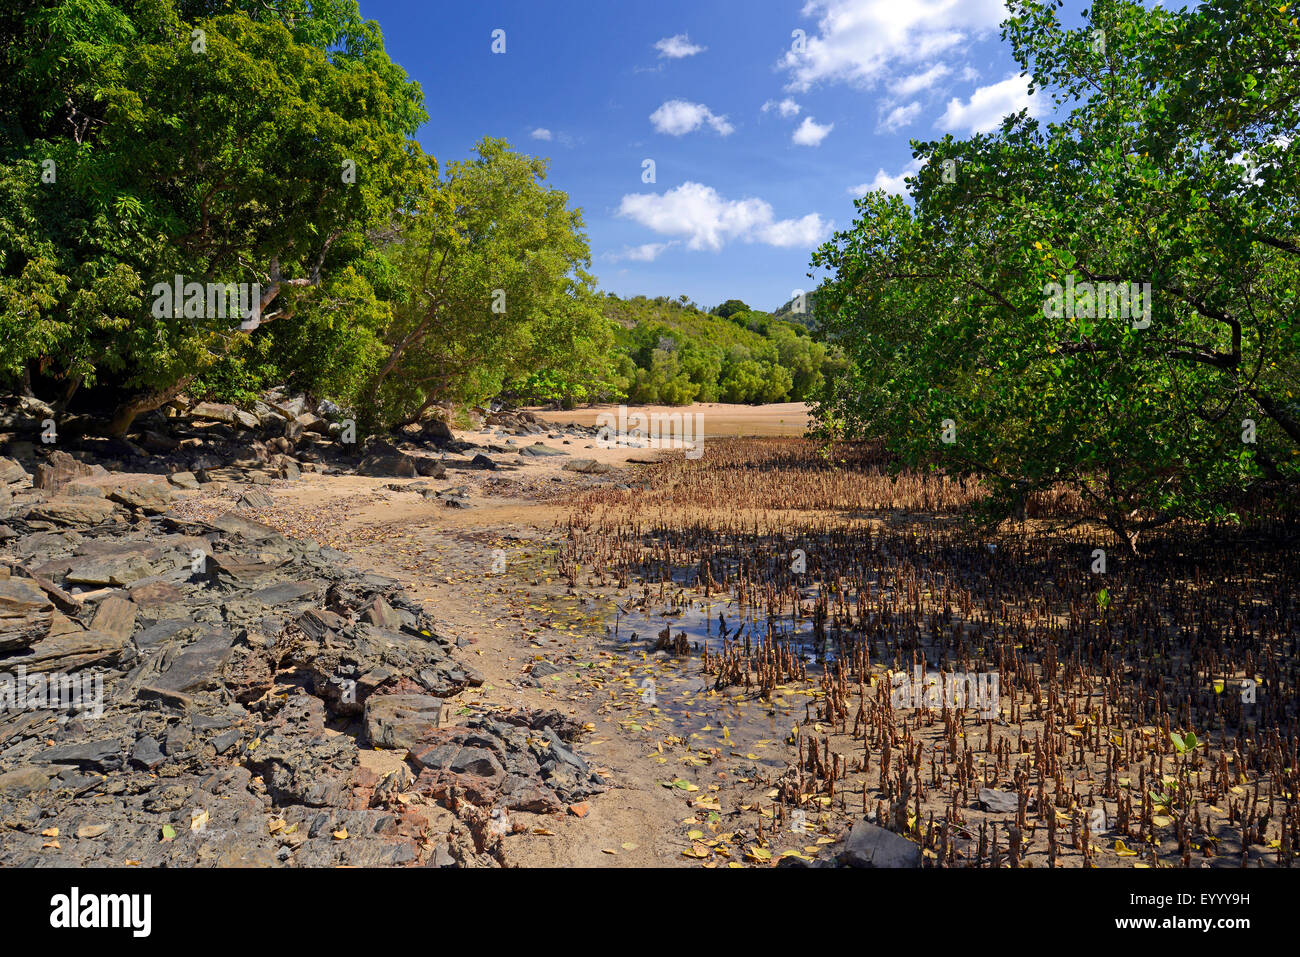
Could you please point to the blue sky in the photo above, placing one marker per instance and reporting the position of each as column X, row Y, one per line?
column 759, row 141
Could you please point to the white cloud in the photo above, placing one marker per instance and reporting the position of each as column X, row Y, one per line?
column 916, row 82
column 792, row 233
column 706, row 220
column 541, row 133
column 890, row 184
column 679, row 117
column 860, row 41
column 645, row 253
column 786, row 107
column 900, row 116
column 677, row 47
column 988, row 105
column 811, row 133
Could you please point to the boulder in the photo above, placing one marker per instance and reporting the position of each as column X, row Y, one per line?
column 313, row 423
column 11, row 472
column 25, row 613
column 115, row 616
column 108, row 570
column 157, row 599
column 384, row 465
column 436, row 430
column 98, row 755
column 1004, row 802
column 472, row 762
column 232, row 567
column 147, row 753
column 290, row 408
column 430, row 468
column 380, row 613
column 401, row 720
column 540, row 450
column 197, row 667
column 215, row 412
column 60, row 468
column 255, row 498
column 69, row 652
column 34, row 406
column 73, row 511
column 22, row 781
column 870, row 845
column 152, row 497
column 287, row 593
column 157, row 442
column 317, row 623
column 85, row 489
column 588, row 467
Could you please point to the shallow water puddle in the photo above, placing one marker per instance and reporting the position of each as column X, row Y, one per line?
column 667, row 700
column 702, row 623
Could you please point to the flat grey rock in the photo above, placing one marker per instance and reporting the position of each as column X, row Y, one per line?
column 401, row 720
column 1002, row 802
column 869, row 845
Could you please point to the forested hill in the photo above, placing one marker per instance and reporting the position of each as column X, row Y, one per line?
column 805, row 315
column 673, row 352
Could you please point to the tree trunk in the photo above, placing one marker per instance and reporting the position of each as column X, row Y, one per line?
column 415, row 416
column 69, row 390
column 1274, row 410
column 125, row 413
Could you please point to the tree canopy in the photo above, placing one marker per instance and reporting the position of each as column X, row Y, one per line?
column 495, row 265
column 150, row 141
column 1166, row 171
column 153, row 151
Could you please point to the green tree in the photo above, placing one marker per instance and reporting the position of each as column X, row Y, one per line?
column 494, row 263
column 226, row 145
column 943, row 308
column 730, row 308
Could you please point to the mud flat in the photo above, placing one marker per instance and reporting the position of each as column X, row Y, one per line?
column 512, row 646
column 277, row 650
column 719, row 418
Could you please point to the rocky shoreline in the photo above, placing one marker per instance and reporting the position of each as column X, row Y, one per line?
column 185, row 692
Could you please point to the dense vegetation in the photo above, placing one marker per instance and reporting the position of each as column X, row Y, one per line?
column 1170, row 164
column 671, row 352
column 264, row 147
column 267, row 149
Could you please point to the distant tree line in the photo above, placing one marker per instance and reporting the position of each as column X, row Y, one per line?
column 673, row 353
